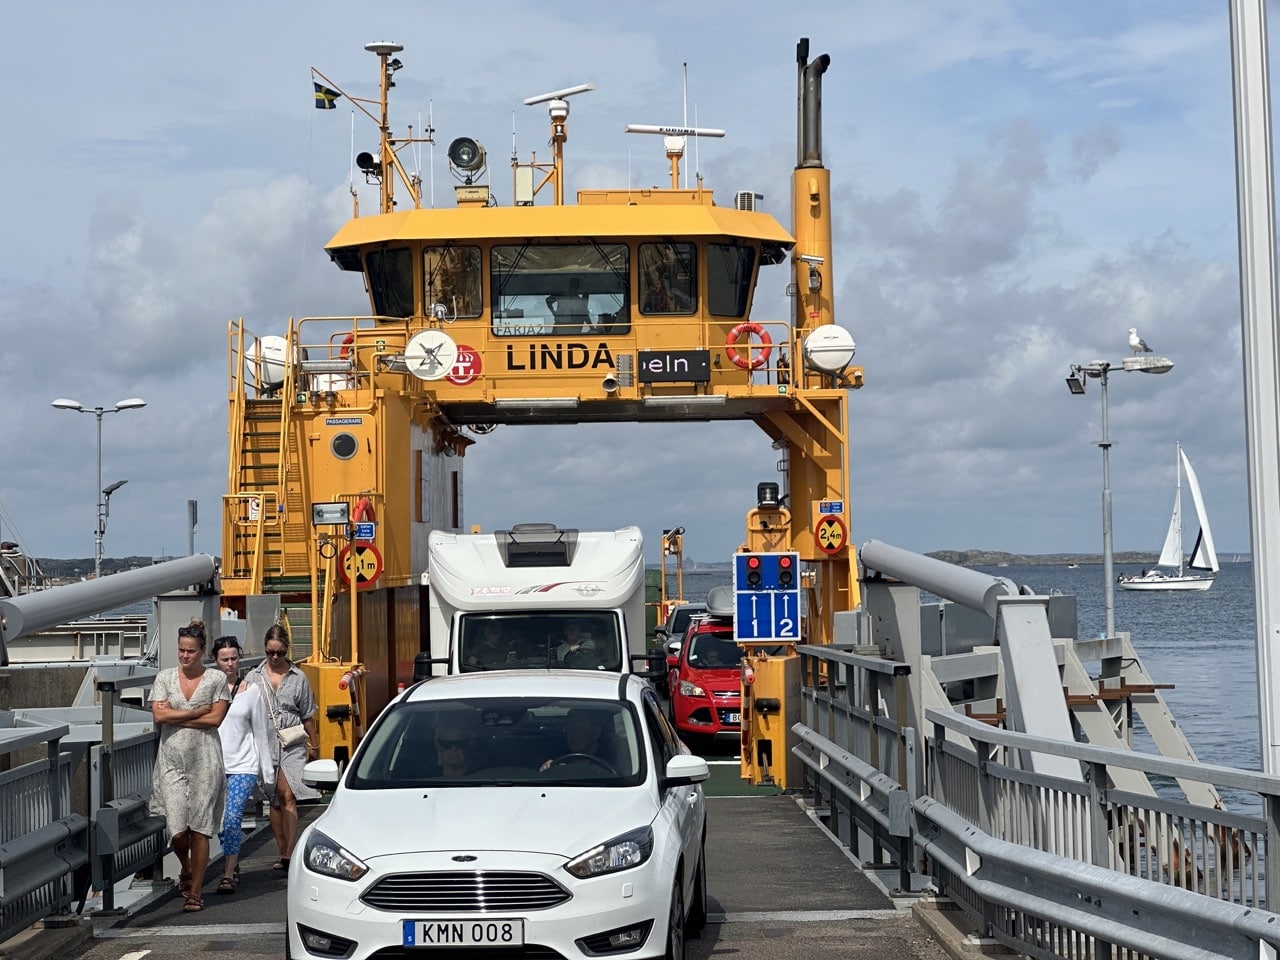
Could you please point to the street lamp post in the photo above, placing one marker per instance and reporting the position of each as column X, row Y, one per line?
column 104, row 494
column 1098, row 370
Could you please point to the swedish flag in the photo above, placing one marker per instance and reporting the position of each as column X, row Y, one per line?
column 325, row 98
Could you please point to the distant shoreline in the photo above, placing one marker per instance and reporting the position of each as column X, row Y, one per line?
column 993, row 558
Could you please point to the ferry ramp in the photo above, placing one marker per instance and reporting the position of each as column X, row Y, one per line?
column 780, row 888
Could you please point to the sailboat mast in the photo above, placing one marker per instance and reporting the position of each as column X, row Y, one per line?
column 1177, row 499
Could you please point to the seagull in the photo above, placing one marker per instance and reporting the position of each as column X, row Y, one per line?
column 1136, row 343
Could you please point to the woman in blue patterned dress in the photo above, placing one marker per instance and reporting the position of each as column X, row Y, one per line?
column 289, row 702
column 246, row 755
column 187, row 786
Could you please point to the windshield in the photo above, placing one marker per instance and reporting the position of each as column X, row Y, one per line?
column 509, row 741
column 560, row 639
column 707, row 651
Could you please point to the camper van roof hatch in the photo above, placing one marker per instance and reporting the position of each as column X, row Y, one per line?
column 536, row 545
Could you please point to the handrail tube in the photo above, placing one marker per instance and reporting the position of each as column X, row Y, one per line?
column 33, row 612
column 895, row 810
column 969, row 588
column 40, row 848
column 1118, row 909
column 1148, row 763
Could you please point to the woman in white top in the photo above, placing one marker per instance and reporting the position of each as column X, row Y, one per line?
column 246, row 755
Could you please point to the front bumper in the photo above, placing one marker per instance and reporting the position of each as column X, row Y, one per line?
column 630, row 900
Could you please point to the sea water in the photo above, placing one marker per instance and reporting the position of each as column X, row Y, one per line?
column 1202, row 643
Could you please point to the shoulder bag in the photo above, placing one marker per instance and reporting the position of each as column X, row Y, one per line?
column 288, row 736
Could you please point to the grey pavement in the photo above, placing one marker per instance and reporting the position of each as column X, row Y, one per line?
column 780, row 888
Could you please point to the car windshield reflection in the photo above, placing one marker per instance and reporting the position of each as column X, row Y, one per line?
column 510, row 741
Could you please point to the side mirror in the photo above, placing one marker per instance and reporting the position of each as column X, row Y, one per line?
column 684, row 770
column 322, row 773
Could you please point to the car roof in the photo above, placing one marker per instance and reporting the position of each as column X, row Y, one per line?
column 581, row 684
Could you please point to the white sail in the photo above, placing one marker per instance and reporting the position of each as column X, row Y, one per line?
column 1203, row 556
column 1171, row 555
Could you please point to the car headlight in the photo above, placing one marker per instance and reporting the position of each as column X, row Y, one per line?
column 621, row 853
column 690, row 689
column 325, row 857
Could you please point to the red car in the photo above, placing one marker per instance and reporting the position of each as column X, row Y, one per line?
column 706, row 682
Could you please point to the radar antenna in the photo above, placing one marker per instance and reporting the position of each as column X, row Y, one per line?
column 673, row 141
column 558, row 107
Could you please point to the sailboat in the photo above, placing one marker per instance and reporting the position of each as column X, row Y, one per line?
column 1202, row 553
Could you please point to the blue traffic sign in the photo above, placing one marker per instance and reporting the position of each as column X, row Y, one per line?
column 766, row 597
column 364, row 532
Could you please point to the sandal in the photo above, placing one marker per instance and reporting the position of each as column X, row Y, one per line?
column 193, row 905
column 226, row 885
column 281, row 864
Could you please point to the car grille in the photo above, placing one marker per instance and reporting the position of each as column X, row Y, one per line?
column 530, row 951
column 489, row 891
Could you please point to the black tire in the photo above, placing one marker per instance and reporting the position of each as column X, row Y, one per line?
column 697, row 918
column 675, row 926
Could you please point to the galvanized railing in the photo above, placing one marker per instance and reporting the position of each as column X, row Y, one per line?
column 42, row 843
column 1053, row 867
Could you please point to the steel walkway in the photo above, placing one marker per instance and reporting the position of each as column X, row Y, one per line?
column 780, row 887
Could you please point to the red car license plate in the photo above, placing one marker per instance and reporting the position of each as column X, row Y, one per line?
column 733, row 718
column 473, row 932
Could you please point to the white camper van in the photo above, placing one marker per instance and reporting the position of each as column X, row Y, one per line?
column 536, row 596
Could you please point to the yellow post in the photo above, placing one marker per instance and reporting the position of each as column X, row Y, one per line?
column 770, row 707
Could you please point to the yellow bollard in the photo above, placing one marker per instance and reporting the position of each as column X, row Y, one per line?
column 770, row 707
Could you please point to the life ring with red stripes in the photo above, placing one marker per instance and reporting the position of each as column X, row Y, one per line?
column 344, row 352
column 748, row 362
column 363, row 512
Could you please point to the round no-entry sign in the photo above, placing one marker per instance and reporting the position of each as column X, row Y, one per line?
column 830, row 534
column 360, row 564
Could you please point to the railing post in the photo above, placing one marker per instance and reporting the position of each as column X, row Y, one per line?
column 1271, row 866
column 106, row 785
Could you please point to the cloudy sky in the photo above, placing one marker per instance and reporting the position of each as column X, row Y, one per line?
column 1016, row 184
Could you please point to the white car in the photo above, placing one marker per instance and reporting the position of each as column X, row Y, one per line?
column 541, row 813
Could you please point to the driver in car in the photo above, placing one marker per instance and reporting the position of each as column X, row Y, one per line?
column 584, row 734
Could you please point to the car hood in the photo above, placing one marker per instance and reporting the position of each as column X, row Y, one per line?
column 561, row 821
column 719, row 676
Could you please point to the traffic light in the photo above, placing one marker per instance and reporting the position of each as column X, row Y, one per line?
column 786, row 572
column 768, row 572
column 753, row 572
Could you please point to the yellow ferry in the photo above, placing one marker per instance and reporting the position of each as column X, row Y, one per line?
column 348, row 434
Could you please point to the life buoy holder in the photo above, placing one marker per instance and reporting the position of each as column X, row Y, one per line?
column 748, row 362
column 363, row 512
column 344, row 352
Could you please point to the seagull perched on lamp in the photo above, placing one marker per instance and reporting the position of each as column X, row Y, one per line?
column 1136, row 343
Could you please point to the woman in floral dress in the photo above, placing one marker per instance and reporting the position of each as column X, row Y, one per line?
column 187, row 786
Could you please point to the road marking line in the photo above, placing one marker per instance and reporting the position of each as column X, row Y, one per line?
column 801, row 916
column 205, row 930
column 136, row 955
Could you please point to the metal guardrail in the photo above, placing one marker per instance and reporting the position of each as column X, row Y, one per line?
column 42, row 844
column 1053, row 867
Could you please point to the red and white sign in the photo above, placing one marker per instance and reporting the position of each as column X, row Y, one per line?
column 466, row 369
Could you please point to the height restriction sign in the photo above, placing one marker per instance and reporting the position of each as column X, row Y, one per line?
column 360, row 564
column 830, row 534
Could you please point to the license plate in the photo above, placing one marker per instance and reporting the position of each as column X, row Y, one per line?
column 733, row 718
column 489, row 932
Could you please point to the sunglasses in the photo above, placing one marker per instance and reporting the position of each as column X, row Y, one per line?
column 190, row 632
column 275, row 653
column 451, row 744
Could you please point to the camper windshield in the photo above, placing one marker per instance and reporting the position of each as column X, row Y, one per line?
column 560, row 639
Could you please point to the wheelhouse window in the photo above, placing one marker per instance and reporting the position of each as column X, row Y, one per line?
column 453, row 281
column 560, row 289
column 668, row 280
column 512, row 740
column 390, row 275
column 729, row 272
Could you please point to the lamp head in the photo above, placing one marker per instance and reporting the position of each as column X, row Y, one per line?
column 113, row 487
column 62, row 403
column 1075, row 384
column 133, row 403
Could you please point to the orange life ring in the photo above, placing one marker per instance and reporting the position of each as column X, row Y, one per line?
column 748, row 362
column 363, row 511
column 345, row 352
